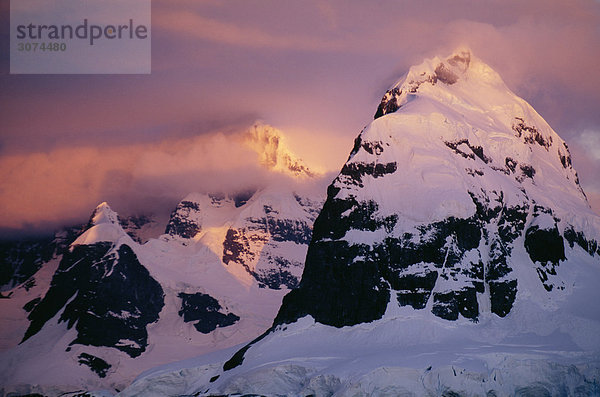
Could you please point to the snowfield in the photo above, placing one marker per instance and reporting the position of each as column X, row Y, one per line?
column 404, row 355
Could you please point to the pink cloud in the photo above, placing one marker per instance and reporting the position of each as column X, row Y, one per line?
column 65, row 184
column 196, row 26
column 316, row 69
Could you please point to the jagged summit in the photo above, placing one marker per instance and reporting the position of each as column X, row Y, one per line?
column 250, row 232
column 273, row 152
column 104, row 225
column 103, row 214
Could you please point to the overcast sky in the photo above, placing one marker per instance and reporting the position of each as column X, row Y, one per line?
column 314, row 69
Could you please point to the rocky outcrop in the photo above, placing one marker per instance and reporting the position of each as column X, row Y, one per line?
column 180, row 223
column 254, row 246
column 107, row 295
column 21, row 259
column 206, row 310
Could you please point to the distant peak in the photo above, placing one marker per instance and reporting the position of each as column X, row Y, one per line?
column 103, row 226
column 273, row 151
column 103, row 206
column 103, row 214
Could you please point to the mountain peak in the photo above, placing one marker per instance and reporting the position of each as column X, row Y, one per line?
column 458, row 208
column 456, row 199
column 273, row 151
column 447, row 70
column 103, row 214
column 104, row 225
column 435, row 76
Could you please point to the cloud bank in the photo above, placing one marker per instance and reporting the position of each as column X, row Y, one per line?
column 46, row 190
column 314, row 69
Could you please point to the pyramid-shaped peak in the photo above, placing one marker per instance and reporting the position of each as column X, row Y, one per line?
column 103, row 214
column 463, row 190
column 104, row 225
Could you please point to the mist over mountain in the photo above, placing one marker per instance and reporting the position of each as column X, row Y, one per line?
column 99, row 302
column 43, row 192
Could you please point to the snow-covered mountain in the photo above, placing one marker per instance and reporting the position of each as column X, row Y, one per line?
column 456, row 254
column 262, row 238
column 109, row 301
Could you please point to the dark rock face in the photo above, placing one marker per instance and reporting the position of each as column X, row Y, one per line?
column 527, row 171
column 389, row 102
column 180, row 223
column 239, row 246
column 523, row 171
column 279, row 276
column 345, row 284
column 96, row 364
column 206, row 310
column 590, row 246
column 530, row 134
column 544, row 245
column 546, row 248
column 335, row 289
column 132, row 225
column 106, row 294
column 449, row 305
column 413, row 264
column 356, row 171
column 503, row 296
column 28, row 307
column 234, row 246
column 565, row 156
column 338, row 216
column 511, row 164
column 19, row 260
column 467, row 150
column 243, row 197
